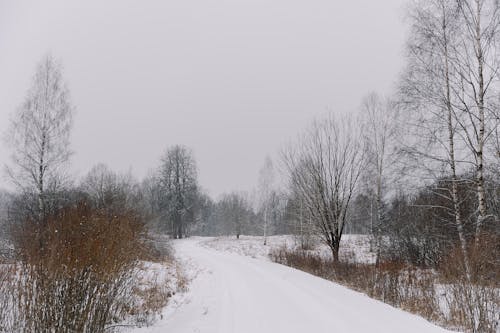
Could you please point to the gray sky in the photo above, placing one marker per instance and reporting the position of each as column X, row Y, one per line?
column 232, row 79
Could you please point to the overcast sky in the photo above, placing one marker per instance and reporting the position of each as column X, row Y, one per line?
column 232, row 79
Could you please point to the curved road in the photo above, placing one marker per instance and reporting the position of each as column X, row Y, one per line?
column 238, row 294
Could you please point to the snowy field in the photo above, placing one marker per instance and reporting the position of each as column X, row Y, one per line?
column 352, row 247
column 236, row 289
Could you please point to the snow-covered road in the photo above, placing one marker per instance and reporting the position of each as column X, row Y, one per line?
column 234, row 293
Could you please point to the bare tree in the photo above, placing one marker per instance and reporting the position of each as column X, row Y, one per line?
column 299, row 220
column 151, row 192
column 266, row 183
column 39, row 134
column 234, row 211
column 427, row 96
column 496, row 143
column 478, row 66
column 323, row 169
column 178, row 179
column 109, row 190
column 450, row 90
column 379, row 129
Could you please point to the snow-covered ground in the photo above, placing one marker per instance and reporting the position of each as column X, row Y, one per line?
column 352, row 247
column 157, row 285
column 231, row 292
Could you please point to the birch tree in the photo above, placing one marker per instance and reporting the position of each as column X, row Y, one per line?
column 478, row 65
column 379, row 129
column 39, row 135
column 266, row 184
column 324, row 168
column 428, row 96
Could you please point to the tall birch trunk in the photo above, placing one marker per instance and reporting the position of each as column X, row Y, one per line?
column 451, row 147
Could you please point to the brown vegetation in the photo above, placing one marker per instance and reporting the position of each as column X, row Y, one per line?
column 472, row 306
column 76, row 269
column 474, row 301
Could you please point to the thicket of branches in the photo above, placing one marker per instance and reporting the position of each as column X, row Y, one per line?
column 76, row 273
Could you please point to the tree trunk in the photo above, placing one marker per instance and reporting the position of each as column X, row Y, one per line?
column 335, row 246
column 41, row 175
column 379, row 215
column 265, row 228
column 481, row 196
column 451, row 148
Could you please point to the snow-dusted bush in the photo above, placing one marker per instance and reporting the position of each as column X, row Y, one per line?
column 474, row 300
column 76, row 270
column 7, row 302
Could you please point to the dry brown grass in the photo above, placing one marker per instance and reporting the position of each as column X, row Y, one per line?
column 473, row 307
column 7, row 274
column 474, row 301
column 149, row 296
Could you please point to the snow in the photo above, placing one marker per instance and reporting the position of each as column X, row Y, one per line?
column 235, row 293
column 154, row 278
column 354, row 248
column 252, row 246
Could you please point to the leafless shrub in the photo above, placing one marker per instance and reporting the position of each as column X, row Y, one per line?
column 159, row 277
column 306, row 241
column 474, row 302
column 159, row 250
column 75, row 274
column 149, row 295
column 7, row 302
